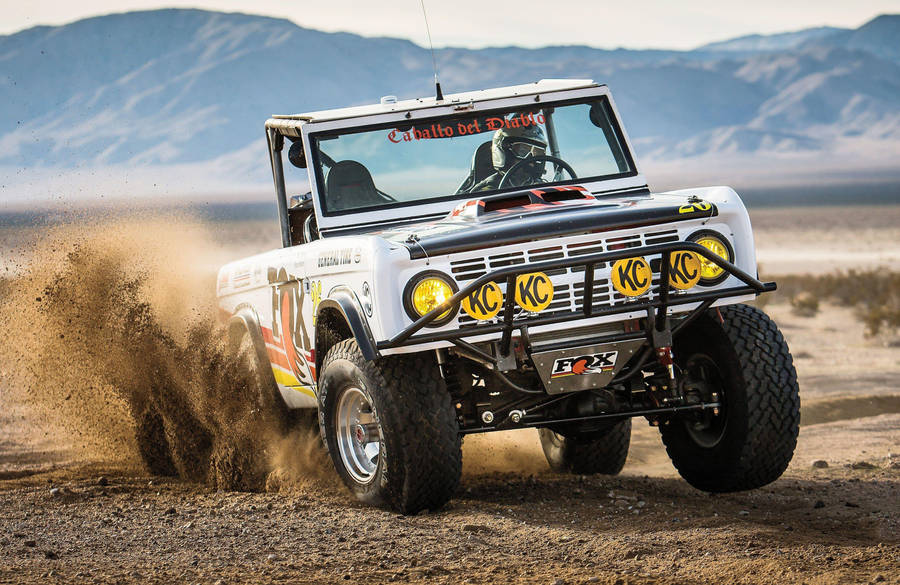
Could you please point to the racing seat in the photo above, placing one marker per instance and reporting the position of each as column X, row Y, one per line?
column 349, row 184
column 482, row 163
column 482, row 167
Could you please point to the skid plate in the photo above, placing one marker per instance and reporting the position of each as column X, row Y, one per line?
column 582, row 368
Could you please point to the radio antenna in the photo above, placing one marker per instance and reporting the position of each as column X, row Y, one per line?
column 439, row 96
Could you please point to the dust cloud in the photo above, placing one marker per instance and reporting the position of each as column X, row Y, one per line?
column 516, row 452
column 110, row 340
column 111, row 344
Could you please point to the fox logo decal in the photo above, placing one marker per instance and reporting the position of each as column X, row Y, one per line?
column 596, row 363
column 288, row 327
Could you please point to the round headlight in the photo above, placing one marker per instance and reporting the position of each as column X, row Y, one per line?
column 427, row 292
column 710, row 272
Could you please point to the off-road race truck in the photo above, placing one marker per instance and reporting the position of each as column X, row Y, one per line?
column 495, row 260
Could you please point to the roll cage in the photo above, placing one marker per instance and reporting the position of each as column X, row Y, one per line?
column 297, row 129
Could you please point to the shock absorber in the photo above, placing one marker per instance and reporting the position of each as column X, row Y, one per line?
column 662, row 346
column 447, row 372
column 664, row 355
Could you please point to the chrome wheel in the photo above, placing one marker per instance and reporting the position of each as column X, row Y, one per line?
column 358, row 437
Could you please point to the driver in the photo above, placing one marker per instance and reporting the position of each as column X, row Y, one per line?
column 510, row 146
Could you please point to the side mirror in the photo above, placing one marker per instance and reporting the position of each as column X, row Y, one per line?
column 296, row 156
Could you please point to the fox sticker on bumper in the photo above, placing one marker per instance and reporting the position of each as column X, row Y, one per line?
column 596, row 363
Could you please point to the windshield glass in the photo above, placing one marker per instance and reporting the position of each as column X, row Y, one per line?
column 480, row 154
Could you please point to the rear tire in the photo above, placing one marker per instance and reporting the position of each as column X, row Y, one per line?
column 390, row 428
column 239, row 459
column 604, row 452
column 745, row 361
column 152, row 444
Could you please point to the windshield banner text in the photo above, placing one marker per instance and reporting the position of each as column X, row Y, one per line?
column 465, row 127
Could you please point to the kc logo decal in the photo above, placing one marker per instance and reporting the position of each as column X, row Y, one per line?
column 597, row 363
column 484, row 303
column 631, row 276
column 684, row 269
column 534, row 291
column 695, row 206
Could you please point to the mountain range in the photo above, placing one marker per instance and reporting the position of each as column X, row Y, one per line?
column 190, row 89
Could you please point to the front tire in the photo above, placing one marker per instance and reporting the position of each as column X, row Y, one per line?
column 390, row 428
column 736, row 356
column 604, row 452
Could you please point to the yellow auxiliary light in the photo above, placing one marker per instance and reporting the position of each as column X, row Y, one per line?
column 710, row 272
column 427, row 293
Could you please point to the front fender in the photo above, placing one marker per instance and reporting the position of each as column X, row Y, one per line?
column 344, row 301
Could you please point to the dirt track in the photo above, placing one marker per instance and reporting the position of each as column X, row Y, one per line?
column 512, row 521
column 501, row 528
column 72, row 514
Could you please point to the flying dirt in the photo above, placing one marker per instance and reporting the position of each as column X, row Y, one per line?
column 111, row 336
column 112, row 357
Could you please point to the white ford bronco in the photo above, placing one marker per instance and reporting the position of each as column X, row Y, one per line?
column 495, row 260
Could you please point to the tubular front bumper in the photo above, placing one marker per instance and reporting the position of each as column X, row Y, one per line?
column 656, row 308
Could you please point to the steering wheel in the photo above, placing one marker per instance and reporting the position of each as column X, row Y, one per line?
column 558, row 162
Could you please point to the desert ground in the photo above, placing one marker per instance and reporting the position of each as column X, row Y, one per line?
column 76, row 507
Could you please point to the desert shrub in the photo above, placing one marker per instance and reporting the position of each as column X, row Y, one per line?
column 878, row 317
column 874, row 293
column 805, row 304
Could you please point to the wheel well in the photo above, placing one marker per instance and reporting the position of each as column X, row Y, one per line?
column 233, row 334
column 331, row 329
column 244, row 323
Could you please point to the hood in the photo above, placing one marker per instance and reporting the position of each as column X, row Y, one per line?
column 539, row 214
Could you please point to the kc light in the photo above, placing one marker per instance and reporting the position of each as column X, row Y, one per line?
column 710, row 272
column 427, row 292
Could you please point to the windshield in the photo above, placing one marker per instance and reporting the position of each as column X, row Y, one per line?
column 480, row 154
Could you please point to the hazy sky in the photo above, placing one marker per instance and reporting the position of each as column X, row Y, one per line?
column 477, row 23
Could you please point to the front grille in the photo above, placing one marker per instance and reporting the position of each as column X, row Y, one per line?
column 568, row 283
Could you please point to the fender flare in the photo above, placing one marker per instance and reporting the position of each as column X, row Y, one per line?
column 246, row 318
column 343, row 300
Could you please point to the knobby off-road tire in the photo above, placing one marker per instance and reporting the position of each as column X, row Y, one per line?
column 752, row 440
column 170, row 438
column 405, row 408
column 603, row 452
